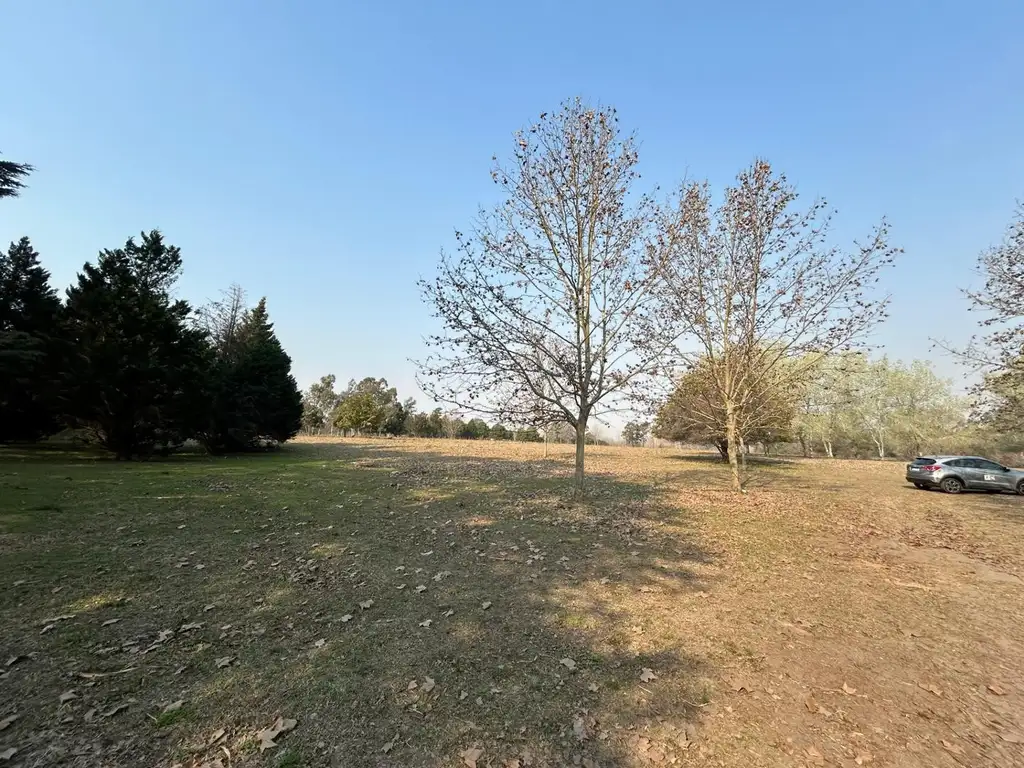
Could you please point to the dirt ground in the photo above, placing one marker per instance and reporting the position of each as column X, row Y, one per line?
column 443, row 603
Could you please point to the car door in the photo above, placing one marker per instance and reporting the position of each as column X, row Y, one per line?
column 970, row 472
column 993, row 476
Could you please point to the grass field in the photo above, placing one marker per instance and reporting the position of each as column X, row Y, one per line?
column 443, row 603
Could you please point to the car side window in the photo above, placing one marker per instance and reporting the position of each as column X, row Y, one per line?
column 988, row 466
column 956, row 463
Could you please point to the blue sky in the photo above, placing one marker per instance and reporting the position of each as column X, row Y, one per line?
column 321, row 153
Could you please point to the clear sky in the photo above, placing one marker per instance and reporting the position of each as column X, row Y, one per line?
column 321, row 153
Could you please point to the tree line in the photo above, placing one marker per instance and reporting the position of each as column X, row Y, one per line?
column 124, row 364
column 371, row 407
column 728, row 316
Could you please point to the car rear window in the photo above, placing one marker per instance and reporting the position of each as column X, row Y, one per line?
column 921, row 461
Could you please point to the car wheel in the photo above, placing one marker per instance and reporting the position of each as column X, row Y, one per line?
column 952, row 485
column 1020, row 487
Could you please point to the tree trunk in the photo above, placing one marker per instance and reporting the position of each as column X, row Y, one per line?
column 581, row 444
column 803, row 445
column 827, row 444
column 734, row 446
column 723, row 449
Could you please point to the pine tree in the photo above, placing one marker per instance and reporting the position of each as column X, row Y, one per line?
column 137, row 379
column 11, row 177
column 255, row 398
column 30, row 318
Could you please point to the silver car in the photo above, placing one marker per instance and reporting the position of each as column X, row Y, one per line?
column 954, row 474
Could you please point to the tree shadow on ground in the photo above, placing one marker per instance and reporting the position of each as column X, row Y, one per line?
column 405, row 607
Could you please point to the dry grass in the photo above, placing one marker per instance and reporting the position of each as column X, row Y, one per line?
column 832, row 614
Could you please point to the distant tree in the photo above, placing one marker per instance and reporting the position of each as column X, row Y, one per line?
column 365, row 406
column 498, row 432
column 137, row 378
column 253, row 396
column 395, row 416
column 999, row 354
column 476, row 429
column 762, row 292
column 530, row 435
column 551, row 298
column 30, row 345
column 318, row 403
column 1002, row 408
column 635, row 432
column 452, row 426
column 12, row 176
column 694, row 412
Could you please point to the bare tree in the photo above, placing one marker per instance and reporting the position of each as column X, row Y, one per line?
column 222, row 319
column 548, row 308
column 1001, row 350
column 763, row 293
column 999, row 354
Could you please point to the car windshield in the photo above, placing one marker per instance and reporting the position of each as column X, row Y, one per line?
column 921, row 461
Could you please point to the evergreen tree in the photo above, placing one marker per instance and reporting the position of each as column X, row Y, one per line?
column 137, row 379
column 11, row 177
column 30, row 317
column 254, row 397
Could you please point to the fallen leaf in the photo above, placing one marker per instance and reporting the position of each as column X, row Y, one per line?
column 210, row 607
column 47, row 628
column 931, row 688
column 647, row 675
column 470, row 756
column 421, row 588
column 738, row 684
column 224, row 661
column 954, row 748
column 108, row 622
column 267, row 735
column 513, row 762
column 992, row 687
column 428, row 685
column 426, row 622
column 67, row 696
column 814, row 756
column 579, row 729
column 14, row 660
column 810, row 703
column 848, row 690
column 320, row 643
column 346, row 618
column 215, row 737
column 190, row 627
column 412, row 686
column 463, row 696
column 448, row 613
column 98, row 675
column 486, row 604
column 174, row 706
column 389, row 745
column 568, row 663
column 89, row 715
column 5, row 723
column 863, row 758
column 55, row 619
column 114, row 710
column 366, row 604
column 593, row 688
column 165, row 635
column 8, row 753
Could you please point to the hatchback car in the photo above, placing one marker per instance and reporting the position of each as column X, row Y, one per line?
column 954, row 474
